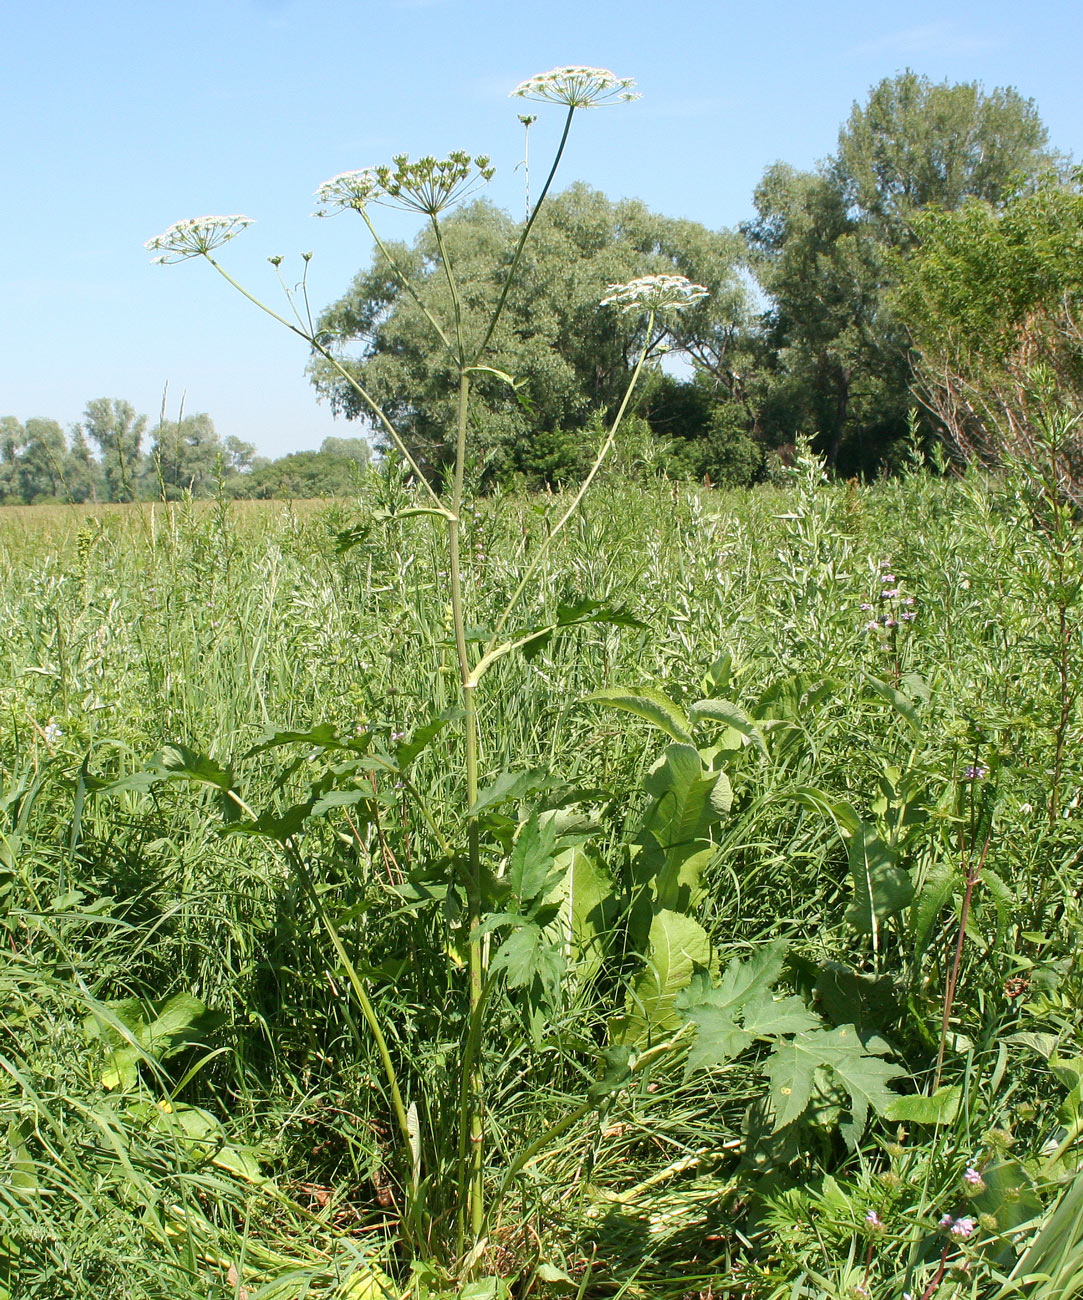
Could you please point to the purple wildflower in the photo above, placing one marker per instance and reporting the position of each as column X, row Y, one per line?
column 977, row 773
column 963, row 1228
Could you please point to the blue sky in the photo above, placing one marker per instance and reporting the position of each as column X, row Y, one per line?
column 117, row 119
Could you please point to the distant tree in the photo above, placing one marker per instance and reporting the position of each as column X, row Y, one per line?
column 358, row 449
column 189, row 457
column 916, row 144
column 118, row 432
column 308, row 474
column 991, row 298
column 827, row 249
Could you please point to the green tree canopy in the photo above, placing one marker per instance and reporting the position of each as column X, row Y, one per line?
column 568, row 356
column 188, row 456
column 989, row 297
column 826, row 248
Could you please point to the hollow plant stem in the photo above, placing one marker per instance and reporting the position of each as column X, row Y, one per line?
column 472, row 1112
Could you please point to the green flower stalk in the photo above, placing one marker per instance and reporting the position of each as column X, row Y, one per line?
column 429, row 186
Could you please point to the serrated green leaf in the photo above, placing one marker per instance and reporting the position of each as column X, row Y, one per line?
column 323, row 736
column 649, row 703
column 423, row 736
column 532, row 859
column 508, row 786
column 179, row 761
column 792, row 1068
column 730, row 1017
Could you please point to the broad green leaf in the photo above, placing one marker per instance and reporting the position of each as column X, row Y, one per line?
column 764, row 1016
column 650, row 703
column 940, row 1108
column 682, row 788
column 881, row 888
column 181, row 1019
column 271, row 825
column 323, row 736
column 179, row 761
column 617, row 1072
column 533, row 640
column 869, row 1001
column 241, row 1161
column 933, row 896
column 840, row 811
column 586, row 895
column 792, row 1068
column 528, row 953
column 790, row 1073
column 732, row 716
column 508, row 786
column 423, row 736
column 368, row 1283
column 741, row 1009
column 334, row 799
column 903, row 706
column 677, row 945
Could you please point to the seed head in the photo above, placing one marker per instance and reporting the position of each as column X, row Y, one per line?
column 577, row 87
column 654, row 293
column 194, row 237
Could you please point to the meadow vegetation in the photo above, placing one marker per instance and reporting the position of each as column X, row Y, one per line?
column 192, row 1102
column 628, row 889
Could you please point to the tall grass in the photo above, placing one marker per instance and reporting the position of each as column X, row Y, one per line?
column 207, row 626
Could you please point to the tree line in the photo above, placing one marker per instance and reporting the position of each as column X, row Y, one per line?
column 113, row 455
column 832, row 312
column 909, row 287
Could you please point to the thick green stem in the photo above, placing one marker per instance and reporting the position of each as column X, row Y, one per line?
column 474, row 1190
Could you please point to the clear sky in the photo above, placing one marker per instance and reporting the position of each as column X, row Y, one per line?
column 117, row 119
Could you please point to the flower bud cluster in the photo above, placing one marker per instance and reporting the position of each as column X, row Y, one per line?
column 427, row 185
column 577, row 87
column 194, row 237
column 655, row 293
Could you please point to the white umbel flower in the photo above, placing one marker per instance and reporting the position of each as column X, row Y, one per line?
column 194, row 237
column 577, row 87
column 348, row 190
column 655, row 293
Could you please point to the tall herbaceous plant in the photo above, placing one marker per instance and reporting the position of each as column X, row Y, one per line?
column 430, row 187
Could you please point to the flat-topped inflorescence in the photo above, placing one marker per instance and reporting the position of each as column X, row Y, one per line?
column 577, row 87
column 427, row 185
column 194, row 237
column 655, row 293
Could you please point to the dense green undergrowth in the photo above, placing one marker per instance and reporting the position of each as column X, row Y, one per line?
column 764, row 1052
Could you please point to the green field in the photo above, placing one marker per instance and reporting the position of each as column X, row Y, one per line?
column 192, row 1102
